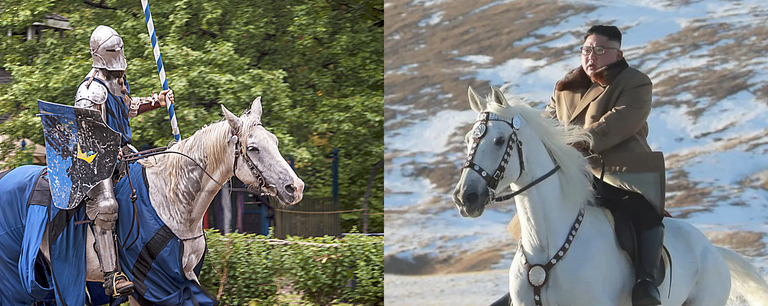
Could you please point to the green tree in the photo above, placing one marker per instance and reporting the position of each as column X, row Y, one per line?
column 317, row 64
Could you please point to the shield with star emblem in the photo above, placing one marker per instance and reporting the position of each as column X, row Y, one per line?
column 81, row 150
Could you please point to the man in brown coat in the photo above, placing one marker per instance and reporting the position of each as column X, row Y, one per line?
column 611, row 101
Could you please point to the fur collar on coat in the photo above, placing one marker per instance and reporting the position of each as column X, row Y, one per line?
column 577, row 79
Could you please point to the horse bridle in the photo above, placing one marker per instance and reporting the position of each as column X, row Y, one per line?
column 261, row 181
column 513, row 143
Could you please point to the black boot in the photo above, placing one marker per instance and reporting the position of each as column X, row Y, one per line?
column 505, row 300
column 116, row 284
column 645, row 292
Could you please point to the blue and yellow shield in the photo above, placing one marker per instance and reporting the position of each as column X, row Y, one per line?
column 81, row 151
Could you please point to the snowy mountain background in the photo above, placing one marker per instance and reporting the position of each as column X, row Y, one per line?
column 708, row 60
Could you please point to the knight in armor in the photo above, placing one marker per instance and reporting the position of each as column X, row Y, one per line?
column 612, row 101
column 105, row 89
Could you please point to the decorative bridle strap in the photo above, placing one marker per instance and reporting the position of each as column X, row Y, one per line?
column 538, row 274
column 261, row 181
column 479, row 132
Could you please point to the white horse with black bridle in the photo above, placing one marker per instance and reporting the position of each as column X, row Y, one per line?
column 568, row 252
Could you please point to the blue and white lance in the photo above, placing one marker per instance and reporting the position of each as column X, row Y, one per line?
column 160, row 68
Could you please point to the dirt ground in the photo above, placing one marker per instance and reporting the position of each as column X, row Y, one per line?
column 458, row 289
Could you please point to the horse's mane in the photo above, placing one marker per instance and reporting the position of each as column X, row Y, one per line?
column 575, row 176
column 207, row 146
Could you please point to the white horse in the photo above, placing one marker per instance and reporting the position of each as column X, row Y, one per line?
column 181, row 193
column 578, row 263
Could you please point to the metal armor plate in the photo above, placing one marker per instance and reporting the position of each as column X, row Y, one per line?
column 81, row 150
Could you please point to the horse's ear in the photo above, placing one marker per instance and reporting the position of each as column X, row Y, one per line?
column 234, row 121
column 498, row 97
column 477, row 104
column 256, row 107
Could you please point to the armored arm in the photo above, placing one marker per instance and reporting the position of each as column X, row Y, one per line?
column 143, row 104
column 140, row 105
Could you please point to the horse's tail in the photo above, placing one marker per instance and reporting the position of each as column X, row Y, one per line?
column 745, row 279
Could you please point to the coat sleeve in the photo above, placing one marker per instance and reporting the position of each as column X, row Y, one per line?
column 550, row 111
column 628, row 115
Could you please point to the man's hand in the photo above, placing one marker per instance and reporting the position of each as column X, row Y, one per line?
column 581, row 146
column 168, row 93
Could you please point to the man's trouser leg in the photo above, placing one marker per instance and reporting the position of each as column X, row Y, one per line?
column 103, row 210
column 649, row 233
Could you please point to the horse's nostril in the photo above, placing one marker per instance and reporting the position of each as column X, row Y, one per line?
column 290, row 188
column 471, row 198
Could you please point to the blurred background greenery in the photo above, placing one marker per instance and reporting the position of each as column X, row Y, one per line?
column 318, row 66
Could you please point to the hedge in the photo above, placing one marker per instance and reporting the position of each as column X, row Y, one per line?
column 249, row 269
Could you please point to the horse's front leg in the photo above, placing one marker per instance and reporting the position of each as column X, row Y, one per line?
column 193, row 253
column 505, row 300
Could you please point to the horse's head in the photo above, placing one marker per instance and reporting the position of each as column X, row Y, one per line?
column 494, row 155
column 258, row 162
column 512, row 144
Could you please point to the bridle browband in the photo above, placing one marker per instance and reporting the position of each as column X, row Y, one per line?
column 261, row 181
column 513, row 143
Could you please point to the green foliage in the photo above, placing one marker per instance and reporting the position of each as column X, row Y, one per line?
column 317, row 64
column 248, row 269
column 240, row 266
column 368, row 270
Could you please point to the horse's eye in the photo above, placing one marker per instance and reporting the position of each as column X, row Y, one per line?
column 253, row 149
column 499, row 141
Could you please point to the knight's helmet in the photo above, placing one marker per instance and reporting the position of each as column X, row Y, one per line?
column 107, row 49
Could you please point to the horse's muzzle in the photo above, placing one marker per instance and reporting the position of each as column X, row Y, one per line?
column 292, row 193
column 470, row 203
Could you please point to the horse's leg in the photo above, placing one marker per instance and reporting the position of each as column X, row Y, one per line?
column 505, row 300
column 712, row 282
column 193, row 253
column 133, row 301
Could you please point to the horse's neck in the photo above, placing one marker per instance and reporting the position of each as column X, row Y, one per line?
column 195, row 190
column 545, row 216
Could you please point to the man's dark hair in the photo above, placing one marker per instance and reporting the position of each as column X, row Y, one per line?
column 611, row 32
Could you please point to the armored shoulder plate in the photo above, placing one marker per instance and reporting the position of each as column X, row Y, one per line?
column 88, row 96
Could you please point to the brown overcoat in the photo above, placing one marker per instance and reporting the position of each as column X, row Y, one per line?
column 614, row 111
